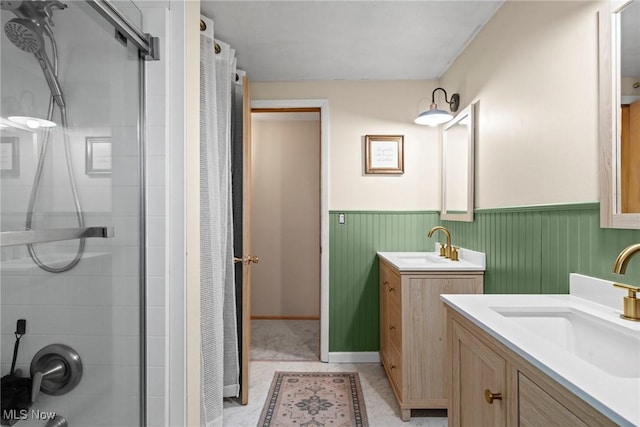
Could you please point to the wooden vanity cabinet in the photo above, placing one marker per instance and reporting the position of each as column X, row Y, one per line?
column 413, row 332
column 524, row 395
column 479, row 369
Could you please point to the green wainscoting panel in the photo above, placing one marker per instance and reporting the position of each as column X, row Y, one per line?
column 353, row 269
column 533, row 249
column 529, row 250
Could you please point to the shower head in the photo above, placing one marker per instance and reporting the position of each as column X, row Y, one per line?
column 26, row 32
column 26, row 35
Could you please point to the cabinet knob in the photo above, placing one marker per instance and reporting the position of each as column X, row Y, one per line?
column 490, row 397
column 391, row 327
column 392, row 367
column 391, row 289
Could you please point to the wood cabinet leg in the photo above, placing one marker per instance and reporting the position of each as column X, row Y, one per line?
column 405, row 414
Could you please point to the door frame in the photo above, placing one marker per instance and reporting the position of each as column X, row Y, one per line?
column 323, row 105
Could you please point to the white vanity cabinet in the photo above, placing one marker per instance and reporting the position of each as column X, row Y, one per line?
column 413, row 332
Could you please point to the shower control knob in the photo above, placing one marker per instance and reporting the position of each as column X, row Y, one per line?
column 56, row 369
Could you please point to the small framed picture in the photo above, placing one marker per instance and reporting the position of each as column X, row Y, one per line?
column 9, row 156
column 384, row 154
column 98, row 152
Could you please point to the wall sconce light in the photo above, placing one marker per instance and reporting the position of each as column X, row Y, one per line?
column 433, row 116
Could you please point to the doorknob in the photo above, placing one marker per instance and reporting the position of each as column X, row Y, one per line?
column 246, row 260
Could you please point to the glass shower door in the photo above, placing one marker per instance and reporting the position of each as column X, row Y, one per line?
column 71, row 165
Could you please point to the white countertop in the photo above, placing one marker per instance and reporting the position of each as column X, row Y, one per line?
column 616, row 396
column 432, row 261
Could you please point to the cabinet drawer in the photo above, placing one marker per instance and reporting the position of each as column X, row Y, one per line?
column 394, row 325
column 538, row 408
column 394, row 291
column 395, row 368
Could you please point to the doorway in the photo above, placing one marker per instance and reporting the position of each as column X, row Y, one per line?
column 285, row 211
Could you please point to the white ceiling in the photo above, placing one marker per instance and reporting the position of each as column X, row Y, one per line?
column 347, row 40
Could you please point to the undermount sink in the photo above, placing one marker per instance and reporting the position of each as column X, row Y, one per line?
column 432, row 261
column 592, row 339
column 421, row 258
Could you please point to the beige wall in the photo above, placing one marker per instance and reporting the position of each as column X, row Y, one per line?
column 285, row 212
column 533, row 69
column 363, row 108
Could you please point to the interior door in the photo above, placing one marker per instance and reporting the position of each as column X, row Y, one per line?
column 247, row 259
column 241, row 191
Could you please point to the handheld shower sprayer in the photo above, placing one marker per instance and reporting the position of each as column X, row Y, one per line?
column 33, row 21
column 26, row 32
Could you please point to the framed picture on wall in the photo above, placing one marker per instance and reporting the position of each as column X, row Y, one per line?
column 98, row 155
column 9, row 156
column 384, row 154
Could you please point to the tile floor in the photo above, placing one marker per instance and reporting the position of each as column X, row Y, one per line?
column 285, row 339
column 284, row 346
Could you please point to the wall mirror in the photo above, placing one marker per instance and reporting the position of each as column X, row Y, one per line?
column 458, row 167
column 619, row 133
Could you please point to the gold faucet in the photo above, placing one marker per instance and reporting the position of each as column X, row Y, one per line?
column 445, row 250
column 631, row 304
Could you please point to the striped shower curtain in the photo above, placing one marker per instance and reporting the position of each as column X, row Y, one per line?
column 219, row 343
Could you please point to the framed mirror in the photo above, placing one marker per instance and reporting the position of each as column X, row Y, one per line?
column 458, row 138
column 619, row 133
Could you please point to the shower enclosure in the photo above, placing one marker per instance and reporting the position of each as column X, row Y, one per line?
column 72, row 212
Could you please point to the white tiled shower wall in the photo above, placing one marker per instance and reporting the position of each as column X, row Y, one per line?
column 90, row 307
column 155, row 16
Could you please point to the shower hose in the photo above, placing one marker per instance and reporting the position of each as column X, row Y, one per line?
column 40, row 167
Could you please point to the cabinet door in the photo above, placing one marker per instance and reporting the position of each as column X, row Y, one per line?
column 425, row 330
column 476, row 369
column 538, row 409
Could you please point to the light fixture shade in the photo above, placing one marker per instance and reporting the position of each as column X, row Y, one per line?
column 433, row 117
column 32, row 122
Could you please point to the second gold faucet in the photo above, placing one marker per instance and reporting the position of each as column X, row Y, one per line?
column 447, row 250
column 631, row 303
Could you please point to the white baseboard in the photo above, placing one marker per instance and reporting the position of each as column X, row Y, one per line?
column 354, row 357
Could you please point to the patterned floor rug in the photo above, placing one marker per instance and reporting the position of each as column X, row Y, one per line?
column 314, row 399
